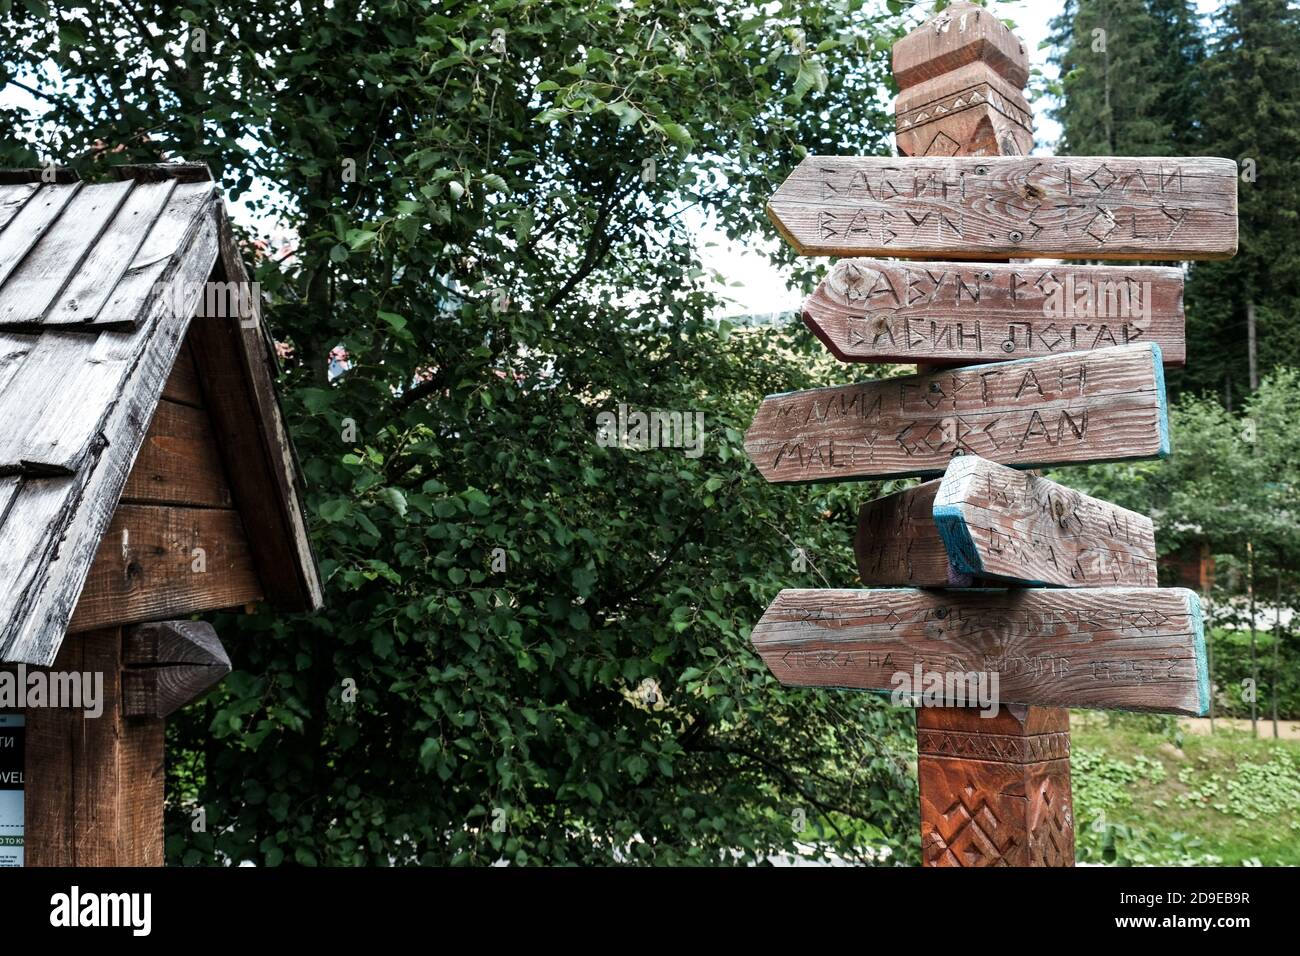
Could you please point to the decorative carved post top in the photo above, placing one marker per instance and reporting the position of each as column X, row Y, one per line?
column 961, row 77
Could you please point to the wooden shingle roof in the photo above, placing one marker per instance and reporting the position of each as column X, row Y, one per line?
column 98, row 285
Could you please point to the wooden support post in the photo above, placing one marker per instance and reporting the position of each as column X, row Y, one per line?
column 994, row 792
column 94, row 785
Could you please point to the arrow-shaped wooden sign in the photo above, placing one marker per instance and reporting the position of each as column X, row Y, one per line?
column 1010, row 207
column 985, row 520
column 1107, row 405
column 869, row 310
column 1111, row 648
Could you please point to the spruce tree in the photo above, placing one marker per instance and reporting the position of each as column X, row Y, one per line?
column 1252, row 111
column 1111, row 82
column 1180, row 53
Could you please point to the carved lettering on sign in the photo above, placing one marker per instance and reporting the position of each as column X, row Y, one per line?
column 991, row 207
column 1103, row 405
column 868, row 310
column 1002, row 524
column 1113, row 648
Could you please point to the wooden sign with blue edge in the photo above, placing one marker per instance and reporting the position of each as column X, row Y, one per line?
column 1105, row 405
column 985, row 521
column 1140, row 649
column 1001, row 524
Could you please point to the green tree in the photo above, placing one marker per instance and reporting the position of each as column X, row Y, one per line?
column 1112, row 84
column 1252, row 115
column 490, row 205
column 1180, row 53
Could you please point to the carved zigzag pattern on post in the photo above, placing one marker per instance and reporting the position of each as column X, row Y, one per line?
column 983, row 95
column 1001, row 748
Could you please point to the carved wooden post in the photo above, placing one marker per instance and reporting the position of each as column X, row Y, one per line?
column 993, row 792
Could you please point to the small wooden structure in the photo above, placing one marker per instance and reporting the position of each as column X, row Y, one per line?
column 145, row 476
column 1074, row 379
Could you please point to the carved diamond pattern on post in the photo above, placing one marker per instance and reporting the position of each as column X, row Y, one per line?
column 971, row 834
column 942, row 145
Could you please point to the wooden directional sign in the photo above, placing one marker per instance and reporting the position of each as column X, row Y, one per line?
column 1107, row 405
column 868, row 310
column 1010, row 207
column 898, row 543
column 1009, row 525
column 984, row 520
column 1112, row 648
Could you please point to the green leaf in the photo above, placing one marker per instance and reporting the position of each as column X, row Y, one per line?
column 395, row 499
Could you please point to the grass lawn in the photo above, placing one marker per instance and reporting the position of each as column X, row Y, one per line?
column 1145, row 793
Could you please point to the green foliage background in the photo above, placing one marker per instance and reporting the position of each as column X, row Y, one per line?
column 492, row 204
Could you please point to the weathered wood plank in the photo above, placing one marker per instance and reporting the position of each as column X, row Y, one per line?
column 52, row 426
column 35, row 611
column 1112, row 648
column 106, row 262
column 31, row 288
column 169, row 665
column 898, row 543
column 189, row 207
column 1107, row 405
column 12, row 198
column 160, row 561
column 868, row 310
column 1008, row 525
column 25, row 229
column 179, row 462
column 183, row 383
column 1010, row 207
column 990, row 522
column 236, row 366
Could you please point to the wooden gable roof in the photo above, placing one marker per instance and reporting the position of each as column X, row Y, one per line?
column 99, row 284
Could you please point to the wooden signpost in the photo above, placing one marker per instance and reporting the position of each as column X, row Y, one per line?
column 869, row 310
column 1079, row 407
column 1073, row 373
column 976, row 208
column 1117, row 648
column 993, row 522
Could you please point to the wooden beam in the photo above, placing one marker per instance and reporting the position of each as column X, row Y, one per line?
column 1010, row 207
column 1111, row 648
column 1007, row 525
column 236, row 364
column 869, row 310
column 169, row 664
column 160, row 562
column 94, row 785
column 1107, row 405
column 898, row 543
